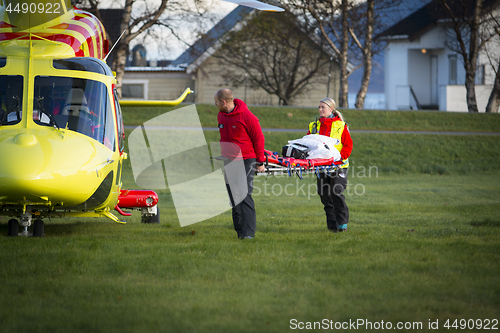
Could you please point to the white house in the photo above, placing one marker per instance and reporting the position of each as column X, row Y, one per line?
column 421, row 72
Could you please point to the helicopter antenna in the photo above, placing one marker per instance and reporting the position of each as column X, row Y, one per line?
column 106, row 57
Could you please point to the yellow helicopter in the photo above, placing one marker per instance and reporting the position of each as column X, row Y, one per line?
column 61, row 129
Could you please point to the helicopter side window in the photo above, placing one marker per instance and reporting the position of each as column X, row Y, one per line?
column 121, row 130
column 109, row 133
column 11, row 99
column 79, row 105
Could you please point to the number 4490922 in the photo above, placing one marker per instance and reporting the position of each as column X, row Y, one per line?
column 485, row 324
column 33, row 8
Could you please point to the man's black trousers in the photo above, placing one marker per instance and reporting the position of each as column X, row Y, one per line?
column 244, row 215
column 331, row 191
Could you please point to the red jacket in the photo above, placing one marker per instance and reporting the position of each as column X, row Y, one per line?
column 242, row 127
column 325, row 128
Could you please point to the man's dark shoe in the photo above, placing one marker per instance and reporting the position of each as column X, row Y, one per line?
column 245, row 237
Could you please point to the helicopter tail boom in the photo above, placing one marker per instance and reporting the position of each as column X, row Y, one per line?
column 157, row 103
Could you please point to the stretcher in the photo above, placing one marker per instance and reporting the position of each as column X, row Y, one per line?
column 277, row 165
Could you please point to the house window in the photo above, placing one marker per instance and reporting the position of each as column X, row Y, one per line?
column 480, row 74
column 453, row 68
column 135, row 89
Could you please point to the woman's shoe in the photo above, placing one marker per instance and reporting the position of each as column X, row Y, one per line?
column 342, row 227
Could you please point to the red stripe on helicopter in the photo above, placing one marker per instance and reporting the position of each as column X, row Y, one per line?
column 82, row 31
column 100, row 40
column 93, row 18
column 6, row 25
column 98, row 35
column 91, row 21
column 11, row 35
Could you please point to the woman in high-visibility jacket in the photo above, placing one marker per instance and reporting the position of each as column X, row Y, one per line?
column 331, row 187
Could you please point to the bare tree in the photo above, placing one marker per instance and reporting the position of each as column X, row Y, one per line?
column 279, row 53
column 344, row 73
column 138, row 17
column 349, row 28
column 133, row 27
column 494, row 100
column 466, row 27
column 367, row 21
column 366, row 51
column 325, row 14
column 492, row 53
column 468, row 21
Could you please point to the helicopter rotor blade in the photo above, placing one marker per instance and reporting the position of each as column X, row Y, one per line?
column 257, row 5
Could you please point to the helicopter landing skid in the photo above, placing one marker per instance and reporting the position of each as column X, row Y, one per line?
column 26, row 219
column 113, row 217
column 25, row 222
column 25, row 233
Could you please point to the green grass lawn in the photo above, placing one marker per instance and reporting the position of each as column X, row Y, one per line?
column 423, row 244
column 419, row 247
column 293, row 117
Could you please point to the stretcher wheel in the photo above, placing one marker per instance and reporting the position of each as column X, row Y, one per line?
column 153, row 218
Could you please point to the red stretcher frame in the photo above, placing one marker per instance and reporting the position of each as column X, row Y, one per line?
column 276, row 164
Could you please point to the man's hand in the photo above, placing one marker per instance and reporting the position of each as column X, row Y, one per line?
column 260, row 168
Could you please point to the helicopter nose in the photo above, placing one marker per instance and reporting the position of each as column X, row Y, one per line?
column 64, row 169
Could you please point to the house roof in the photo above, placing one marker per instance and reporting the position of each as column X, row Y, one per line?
column 212, row 37
column 210, row 42
column 168, row 68
column 428, row 17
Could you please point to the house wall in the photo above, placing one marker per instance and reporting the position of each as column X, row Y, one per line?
column 396, row 75
column 411, row 67
column 455, row 96
column 162, row 85
column 206, row 80
column 490, row 55
column 209, row 80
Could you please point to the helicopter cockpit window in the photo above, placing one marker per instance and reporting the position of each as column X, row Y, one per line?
column 3, row 62
column 79, row 105
column 11, row 99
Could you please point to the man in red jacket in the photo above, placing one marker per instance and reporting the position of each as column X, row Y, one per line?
column 239, row 126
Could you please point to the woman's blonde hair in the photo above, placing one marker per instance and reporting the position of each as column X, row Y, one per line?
column 331, row 103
